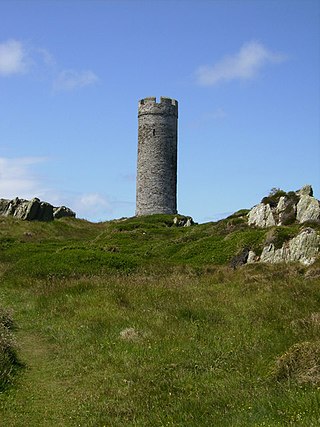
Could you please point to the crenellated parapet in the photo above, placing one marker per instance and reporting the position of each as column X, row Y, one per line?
column 166, row 106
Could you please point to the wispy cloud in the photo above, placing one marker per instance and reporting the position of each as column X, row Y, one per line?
column 17, row 58
column 93, row 205
column 17, row 178
column 13, row 58
column 68, row 80
column 243, row 65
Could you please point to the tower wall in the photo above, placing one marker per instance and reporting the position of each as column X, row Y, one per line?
column 157, row 157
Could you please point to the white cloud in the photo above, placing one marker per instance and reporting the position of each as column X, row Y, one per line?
column 92, row 205
column 17, row 178
column 68, row 80
column 13, row 58
column 243, row 65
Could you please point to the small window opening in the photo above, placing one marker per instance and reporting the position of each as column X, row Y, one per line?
column 154, row 132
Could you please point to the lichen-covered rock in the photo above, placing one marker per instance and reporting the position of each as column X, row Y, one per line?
column 31, row 210
column 308, row 209
column 26, row 209
column 303, row 248
column 281, row 208
column 261, row 216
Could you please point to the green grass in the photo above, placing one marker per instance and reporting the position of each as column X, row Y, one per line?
column 205, row 341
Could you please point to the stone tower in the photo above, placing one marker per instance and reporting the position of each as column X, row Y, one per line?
column 157, row 157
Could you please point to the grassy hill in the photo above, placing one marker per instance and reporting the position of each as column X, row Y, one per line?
column 137, row 322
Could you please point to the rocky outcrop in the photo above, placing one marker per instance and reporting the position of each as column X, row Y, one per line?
column 280, row 208
column 261, row 216
column 34, row 209
column 186, row 221
column 63, row 211
column 303, row 248
column 308, row 209
column 305, row 191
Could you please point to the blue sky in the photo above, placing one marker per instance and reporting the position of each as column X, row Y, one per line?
column 246, row 75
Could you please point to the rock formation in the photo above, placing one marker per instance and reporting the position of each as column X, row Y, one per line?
column 261, row 216
column 186, row 221
column 303, row 248
column 34, row 209
column 280, row 208
column 62, row 211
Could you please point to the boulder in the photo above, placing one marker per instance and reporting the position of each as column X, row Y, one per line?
column 63, row 211
column 240, row 259
column 308, row 209
column 303, row 248
column 189, row 222
column 261, row 216
column 252, row 257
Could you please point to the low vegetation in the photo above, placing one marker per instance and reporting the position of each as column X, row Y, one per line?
column 9, row 362
column 137, row 322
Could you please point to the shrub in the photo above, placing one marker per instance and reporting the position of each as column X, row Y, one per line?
column 279, row 235
column 8, row 356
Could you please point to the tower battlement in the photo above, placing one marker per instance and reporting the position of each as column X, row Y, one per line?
column 166, row 106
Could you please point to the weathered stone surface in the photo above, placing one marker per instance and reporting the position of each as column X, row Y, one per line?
column 305, row 191
column 63, row 211
column 20, row 208
column 45, row 212
column 261, row 216
column 31, row 210
column 308, row 209
column 303, row 248
column 189, row 222
column 252, row 257
column 285, row 208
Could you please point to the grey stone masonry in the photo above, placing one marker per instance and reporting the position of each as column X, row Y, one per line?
column 157, row 156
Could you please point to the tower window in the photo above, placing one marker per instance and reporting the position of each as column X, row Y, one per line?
column 154, row 132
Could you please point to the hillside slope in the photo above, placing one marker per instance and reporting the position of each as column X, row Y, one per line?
column 137, row 322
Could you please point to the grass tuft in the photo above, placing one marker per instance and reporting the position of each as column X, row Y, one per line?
column 300, row 363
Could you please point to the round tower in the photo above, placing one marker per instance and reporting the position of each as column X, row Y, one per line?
column 157, row 157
